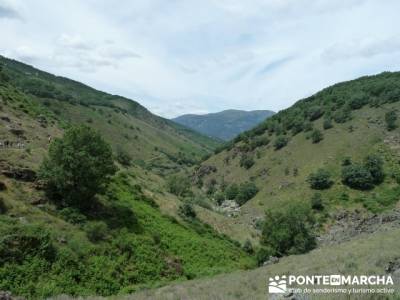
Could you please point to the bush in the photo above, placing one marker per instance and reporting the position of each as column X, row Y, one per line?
column 390, row 119
column 246, row 161
column 232, row 191
column 3, row 207
column 246, row 191
column 320, row 180
column 123, row 157
column 186, row 210
column 263, row 254
column 357, row 176
column 19, row 242
column 72, row 215
column 248, row 247
column 364, row 176
column 289, row 230
column 315, row 113
column 327, row 124
column 280, row 142
column 219, row 198
column 78, row 166
column 179, row 185
column 316, row 136
column 358, row 101
column 374, row 165
column 316, row 202
column 96, row 231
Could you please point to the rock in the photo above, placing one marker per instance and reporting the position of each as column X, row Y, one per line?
column 6, row 119
column 23, row 174
column 62, row 240
column 4, row 295
column 38, row 201
column 272, row 260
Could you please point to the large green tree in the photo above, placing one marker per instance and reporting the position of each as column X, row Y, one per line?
column 78, row 167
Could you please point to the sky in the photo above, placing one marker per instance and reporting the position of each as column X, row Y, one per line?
column 199, row 56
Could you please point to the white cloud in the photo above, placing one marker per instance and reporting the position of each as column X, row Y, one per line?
column 195, row 56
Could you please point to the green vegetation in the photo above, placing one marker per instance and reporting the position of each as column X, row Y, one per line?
column 241, row 193
column 78, row 167
column 390, row 119
column 280, row 142
column 316, row 136
column 364, row 176
column 320, row 180
column 289, row 230
column 179, row 185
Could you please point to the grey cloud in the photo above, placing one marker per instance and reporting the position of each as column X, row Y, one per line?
column 8, row 12
column 361, row 48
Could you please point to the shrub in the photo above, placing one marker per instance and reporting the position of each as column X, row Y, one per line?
column 289, row 230
column 219, row 198
column 246, row 191
column 358, row 101
column 327, row 124
column 72, row 215
column 3, row 207
column 232, row 191
column 186, row 210
column 263, row 254
column 357, row 176
column 320, row 180
column 78, row 166
column 316, row 136
column 19, row 242
column 374, row 165
column 248, row 247
column 95, row 231
column 315, row 113
column 364, row 176
column 246, row 161
column 316, row 202
column 123, row 157
column 179, row 185
column 390, row 119
column 280, row 142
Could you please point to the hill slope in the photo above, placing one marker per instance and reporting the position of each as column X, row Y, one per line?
column 226, row 124
column 345, row 121
column 134, row 236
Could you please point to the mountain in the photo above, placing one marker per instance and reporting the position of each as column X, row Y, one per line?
column 224, row 125
column 134, row 236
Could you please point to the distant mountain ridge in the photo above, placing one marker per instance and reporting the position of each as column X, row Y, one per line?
column 226, row 124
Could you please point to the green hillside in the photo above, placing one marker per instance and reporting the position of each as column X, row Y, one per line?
column 224, row 125
column 133, row 235
column 340, row 125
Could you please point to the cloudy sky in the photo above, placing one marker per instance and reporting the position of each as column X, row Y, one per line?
column 198, row 56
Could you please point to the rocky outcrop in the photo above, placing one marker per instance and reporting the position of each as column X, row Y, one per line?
column 5, row 295
column 351, row 224
column 18, row 173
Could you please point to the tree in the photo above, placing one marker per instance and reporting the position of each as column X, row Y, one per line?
column 246, row 161
column 178, row 185
column 232, row 191
column 357, row 176
column 289, row 230
column 280, row 142
column 364, row 176
column 246, row 191
column 123, row 157
column 374, row 164
column 78, row 167
column 316, row 136
column 391, row 118
column 320, row 180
